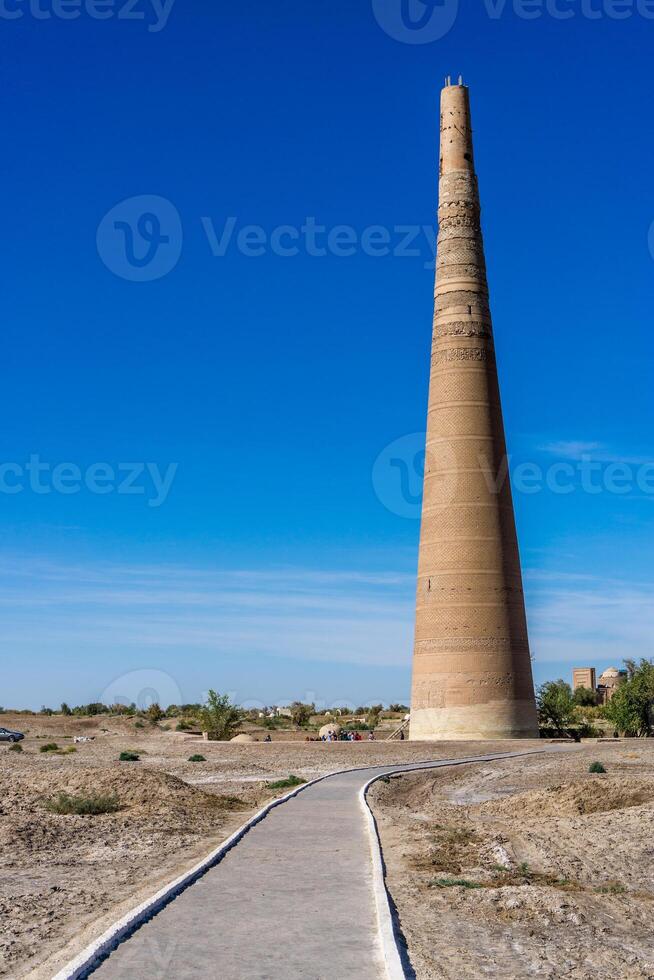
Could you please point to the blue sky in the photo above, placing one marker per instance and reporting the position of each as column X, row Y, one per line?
column 244, row 399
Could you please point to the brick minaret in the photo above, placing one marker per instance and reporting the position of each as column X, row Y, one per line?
column 471, row 666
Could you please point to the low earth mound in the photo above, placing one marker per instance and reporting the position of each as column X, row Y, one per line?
column 596, row 794
column 138, row 791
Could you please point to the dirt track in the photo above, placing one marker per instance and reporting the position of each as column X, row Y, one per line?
column 556, row 865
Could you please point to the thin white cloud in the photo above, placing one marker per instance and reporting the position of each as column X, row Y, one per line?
column 337, row 616
column 600, row 622
column 341, row 616
column 597, row 451
column 572, row 449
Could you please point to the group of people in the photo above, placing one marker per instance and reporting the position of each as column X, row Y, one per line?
column 345, row 736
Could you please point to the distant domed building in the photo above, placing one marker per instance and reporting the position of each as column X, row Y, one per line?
column 330, row 729
column 243, row 738
column 609, row 682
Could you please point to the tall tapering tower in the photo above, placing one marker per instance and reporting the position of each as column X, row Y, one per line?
column 471, row 665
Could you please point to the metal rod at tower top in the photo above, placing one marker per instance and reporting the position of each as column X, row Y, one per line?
column 471, row 665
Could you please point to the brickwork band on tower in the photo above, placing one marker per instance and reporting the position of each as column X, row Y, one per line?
column 471, row 666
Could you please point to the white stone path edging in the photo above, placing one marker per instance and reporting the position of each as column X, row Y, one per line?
column 385, row 929
column 89, row 958
column 387, row 933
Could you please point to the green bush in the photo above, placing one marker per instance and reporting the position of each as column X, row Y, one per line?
column 49, row 747
column 15, row 747
column 596, row 767
column 219, row 717
column 631, row 709
column 286, row 783
column 139, row 724
column 90, row 805
column 182, row 726
column 196, row 758
column 556, row 707
column 129, row 757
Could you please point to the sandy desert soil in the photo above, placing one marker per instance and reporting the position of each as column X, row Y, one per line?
column 64, row 879
column 556, row 866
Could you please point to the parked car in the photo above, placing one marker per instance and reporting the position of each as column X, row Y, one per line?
column 8, row 736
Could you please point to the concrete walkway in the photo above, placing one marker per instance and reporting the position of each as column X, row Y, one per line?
column 293, row 900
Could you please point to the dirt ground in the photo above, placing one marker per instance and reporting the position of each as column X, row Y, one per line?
column 529, row 868
column 64, row 879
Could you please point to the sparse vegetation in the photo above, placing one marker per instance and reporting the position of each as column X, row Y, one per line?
column 16, row 747
column 454, row 882
column 611, row 888
column 287, row 783
column 196, row 758
column 219, row 717
column 154, row 713
column 556, row 706
column 631, row 709
column 301, row 713
column 450, row 848
column 49, row 747
column 83, row 805
column 596, row 767
column 373, row 715
column 584, row 697
column 129, row 757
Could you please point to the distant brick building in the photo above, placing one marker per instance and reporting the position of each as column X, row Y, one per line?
column 584, row 677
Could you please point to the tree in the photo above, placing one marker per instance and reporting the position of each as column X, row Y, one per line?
column 585, row 697
column 556, row 707
column 373, row 715
column 219, row 717
column 65, row 710
column 631, row 709
column 154, row 713
column 301, row 713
